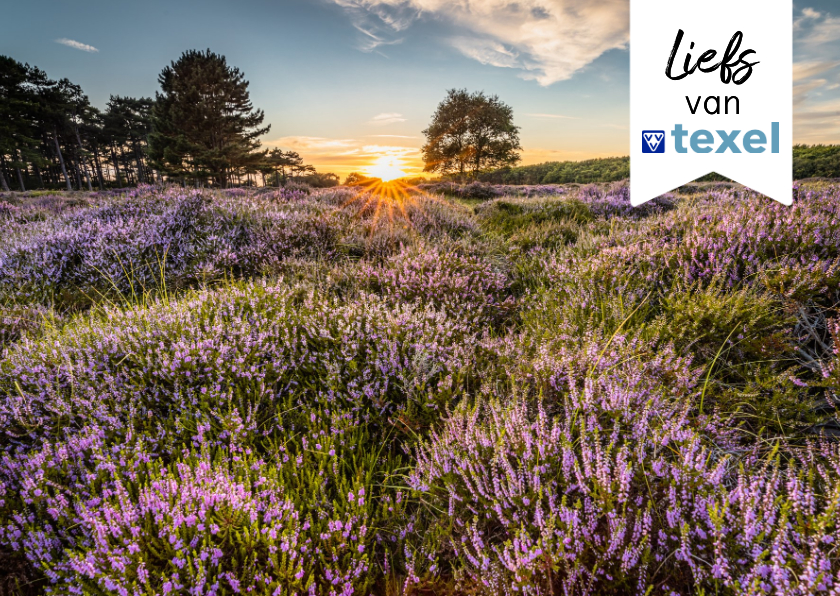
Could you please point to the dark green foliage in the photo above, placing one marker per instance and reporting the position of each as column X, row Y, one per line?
column 469, row 133
column 816, row 161
column 128, row 123
column 22, row 109
column 51, row 137
column 608, row 169
column 510, row 216
column 319, row 180
column 355, row 178
column 283, row 164
column 204, row 122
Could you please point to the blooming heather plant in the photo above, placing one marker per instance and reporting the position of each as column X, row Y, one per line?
column 256, row 340
column 537, row 507
column 115, row 519
column 483, row 191
column 471, row 190
column 736, row 235
column 17, row 321
column 154, row 242
column 620, row 492
column 470, row 286
column 252, row 371
column 382, row 390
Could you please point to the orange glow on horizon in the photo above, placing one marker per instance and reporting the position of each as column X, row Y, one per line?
column 387, row 168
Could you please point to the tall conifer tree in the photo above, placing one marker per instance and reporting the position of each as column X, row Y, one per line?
column 204, row 124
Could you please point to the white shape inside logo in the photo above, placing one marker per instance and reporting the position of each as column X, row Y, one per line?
column 653, row 139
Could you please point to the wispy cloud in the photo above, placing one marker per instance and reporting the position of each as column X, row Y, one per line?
column 818, row 27
column 317, row 145
column 386, row 118
column 487, row 51
column 547, row 40
column 816, row 76
column 807, row 70
column 372, row 40
column 391, row 136
column 378, row 25
column 76, row 45
column 343, row 156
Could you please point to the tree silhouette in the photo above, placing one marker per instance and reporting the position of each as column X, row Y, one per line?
column 204, row 124
column 469, row 133
column 284, row 164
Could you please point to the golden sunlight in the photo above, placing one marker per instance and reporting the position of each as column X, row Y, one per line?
column 386, row 168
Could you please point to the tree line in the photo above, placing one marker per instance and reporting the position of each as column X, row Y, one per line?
column 809, row 161
column 52, row 137
column 816, row 161
column 200, row 129
column 607, row 169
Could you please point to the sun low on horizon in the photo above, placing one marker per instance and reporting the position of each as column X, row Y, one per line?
column 387, row 168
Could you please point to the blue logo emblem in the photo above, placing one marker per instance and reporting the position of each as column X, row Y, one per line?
column 653, row 141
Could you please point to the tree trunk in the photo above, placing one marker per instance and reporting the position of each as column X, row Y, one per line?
column 76, row 169
column 141, row 177
column 19, row 173
column 116, row 166
column 61, row 159
column 84, row 167
column 44, row 175
column 98, row 167
column 87, row 177
column 3, row 183
column 20, row 179
column 130, row 178
column 38, row 173
column 81, row 159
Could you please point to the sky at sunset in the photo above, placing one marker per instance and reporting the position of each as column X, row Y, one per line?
column 351, row 82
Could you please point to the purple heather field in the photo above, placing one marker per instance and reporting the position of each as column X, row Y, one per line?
column 444, row 389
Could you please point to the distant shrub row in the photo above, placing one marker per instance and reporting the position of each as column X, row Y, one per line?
column 809, row 161
column 609, row 169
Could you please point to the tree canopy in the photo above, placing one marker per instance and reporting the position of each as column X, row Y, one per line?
column 52, row 137
column 606, row 169
column 816, row 161
column 203, row 127
column 285, row 164
column 204, row 123
column 470, row 133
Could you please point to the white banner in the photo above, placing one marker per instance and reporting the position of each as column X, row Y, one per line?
column 711, row 90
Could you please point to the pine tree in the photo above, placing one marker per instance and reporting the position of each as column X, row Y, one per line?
column 51, row 136
column 204, row 124
column 127, row 123
column 18, row 115
column 283, row 164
